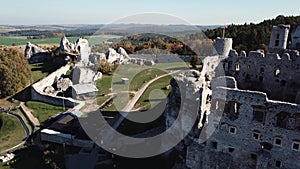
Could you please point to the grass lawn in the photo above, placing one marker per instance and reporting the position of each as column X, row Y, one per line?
column 104, row 84
column 22, row 40
column 11, row 131
column 138, row 75
column 122, row 100
column 143, row 77
column 37, row 73
column 102, row 99
column 154, row 94
column 43, row 111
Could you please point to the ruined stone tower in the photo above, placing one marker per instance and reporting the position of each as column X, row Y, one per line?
column 223, row 46
column 279, row 38
column 249, row 118
column 296, row 38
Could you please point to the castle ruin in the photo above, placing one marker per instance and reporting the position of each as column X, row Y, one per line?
column 249, row 114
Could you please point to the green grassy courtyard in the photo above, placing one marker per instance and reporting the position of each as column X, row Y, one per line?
column 42, row 111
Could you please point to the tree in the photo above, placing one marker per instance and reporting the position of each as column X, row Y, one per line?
column 105, row 67
column 250, row 36
column 15, row 72
column 195, row 62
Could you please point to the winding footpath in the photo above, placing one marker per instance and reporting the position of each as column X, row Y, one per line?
column 130, row 105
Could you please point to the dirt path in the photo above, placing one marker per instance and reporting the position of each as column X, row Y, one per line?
column 29, row 115
column 138, row 94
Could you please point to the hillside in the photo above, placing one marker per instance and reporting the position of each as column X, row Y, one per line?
column 252, row 36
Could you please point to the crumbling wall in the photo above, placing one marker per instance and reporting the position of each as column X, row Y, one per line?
column 241, row 128
column 37, row 89
column 278, row 76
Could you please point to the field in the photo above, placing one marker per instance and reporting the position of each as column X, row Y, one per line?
column 43, row 111
column 11, row 132
column 22, row 40
column 154, row 94
column 104, row 84
column 143, row 77
column 138, row 76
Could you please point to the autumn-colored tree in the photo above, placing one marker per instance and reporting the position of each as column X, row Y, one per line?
column 196, row 62
column 105, row 67
column 15, row 72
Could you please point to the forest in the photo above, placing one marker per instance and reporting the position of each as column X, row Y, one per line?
column 252, row 36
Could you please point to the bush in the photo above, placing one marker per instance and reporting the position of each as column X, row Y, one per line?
column 15, row 72
column 105, row 67
column 195, row 62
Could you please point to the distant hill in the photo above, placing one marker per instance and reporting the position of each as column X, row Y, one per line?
column 253, row 36
column 87, row 30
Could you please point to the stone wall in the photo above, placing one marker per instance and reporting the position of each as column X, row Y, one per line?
column 37, row 89
column 248, row 118
column 61, row 138
column 276, row 75
column 234, row 133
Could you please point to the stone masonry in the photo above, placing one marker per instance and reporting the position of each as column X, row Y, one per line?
column 249, row 115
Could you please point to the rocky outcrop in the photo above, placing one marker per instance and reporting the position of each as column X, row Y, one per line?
column 63, row 83
column 35, row 54
column 32, row 49
column 66, row 45
column 113, row 56
column 123, row 52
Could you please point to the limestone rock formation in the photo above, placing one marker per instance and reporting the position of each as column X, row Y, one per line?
column 66, row 45
column 113, row 56
column 35, row 54
column 63, row 83
column 32, row 49
column 82, row 46
column 123, row 52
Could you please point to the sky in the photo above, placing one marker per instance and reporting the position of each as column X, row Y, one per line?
column 196, row 12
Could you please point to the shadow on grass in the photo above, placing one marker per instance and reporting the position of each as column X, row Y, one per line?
column 154, row 100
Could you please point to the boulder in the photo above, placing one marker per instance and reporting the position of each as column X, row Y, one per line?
column 95, row 58
column 63, row 83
